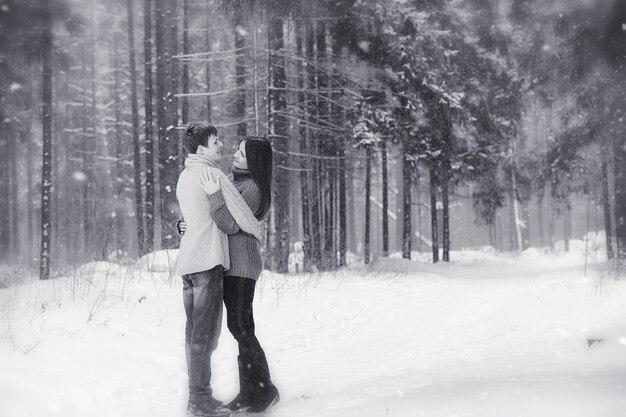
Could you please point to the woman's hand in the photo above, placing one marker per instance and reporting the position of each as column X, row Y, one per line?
column 209, row 183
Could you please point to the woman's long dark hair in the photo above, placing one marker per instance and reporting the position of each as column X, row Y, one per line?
column 259, row 157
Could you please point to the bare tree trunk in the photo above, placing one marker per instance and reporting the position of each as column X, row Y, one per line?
column 96, row 243
column 278, row 132
column 542, row 238
column 433, row 212
column 207, row 67
column 383, row 150
column 240, row 73
column 567, row 225
column 271, row 219
column 337, row 116
column 137, row 166
column 525, row 217
column 14, row 200
column 84, row 225
column 418, row 186
column 368, row 193
column 406, row 202
column 148, row 127
column 606, row 201
column 86, row 247
column 166, row 109
column 330, row 253
column 352, row 235
column 444, row 175
column 552, row 209
column 30, row 199
column 65, row 236
column 511, row 207
column 162, row 122
column 173, row 108
column 185, row 80
column 4, row 187
column 446, row 214
column 119, row 175
column 6, row 197
column 316, row 245
column 326, row 172
column 517, row 223
column 255, row 75
column 620, row 197
column 341, row 172
column 46, row 171
column 57, row 126
column 304, row 132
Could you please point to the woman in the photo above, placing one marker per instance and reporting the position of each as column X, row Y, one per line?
column 251, row 173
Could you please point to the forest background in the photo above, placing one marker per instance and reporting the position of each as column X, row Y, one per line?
column 397, row 126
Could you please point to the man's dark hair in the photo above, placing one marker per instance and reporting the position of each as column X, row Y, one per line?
column 197, row 134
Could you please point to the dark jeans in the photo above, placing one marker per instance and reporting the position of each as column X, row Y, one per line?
column 202, row 297
column 238, row 297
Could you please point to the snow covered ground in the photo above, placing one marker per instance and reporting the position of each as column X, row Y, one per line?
column 486, row 335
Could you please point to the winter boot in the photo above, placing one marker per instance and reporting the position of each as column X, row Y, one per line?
column 264, row 394
column 202, row 405
column 242, row 401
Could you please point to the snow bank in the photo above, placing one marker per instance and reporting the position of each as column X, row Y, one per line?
column 159, row 261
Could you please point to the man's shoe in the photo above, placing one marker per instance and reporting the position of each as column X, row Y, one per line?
column 200, row 411
column 206, row 406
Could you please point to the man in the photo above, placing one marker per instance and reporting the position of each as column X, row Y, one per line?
column 202, row 258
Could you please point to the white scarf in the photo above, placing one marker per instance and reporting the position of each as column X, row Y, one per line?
column 235, row 203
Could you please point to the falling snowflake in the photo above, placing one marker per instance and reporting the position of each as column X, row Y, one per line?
column 79, row 176
column 241, row 31
column 15, row 87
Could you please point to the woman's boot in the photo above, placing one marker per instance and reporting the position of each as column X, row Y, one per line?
column 263, row 392
column 242, row 401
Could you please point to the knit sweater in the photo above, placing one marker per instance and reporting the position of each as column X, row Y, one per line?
column 206, row 245
column 244, row 249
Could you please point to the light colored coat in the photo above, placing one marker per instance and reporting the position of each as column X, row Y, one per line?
column 204, row 246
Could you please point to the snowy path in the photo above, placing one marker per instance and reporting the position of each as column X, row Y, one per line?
column 466, row 339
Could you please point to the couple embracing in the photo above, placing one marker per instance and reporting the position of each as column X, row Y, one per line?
column 220, row 261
